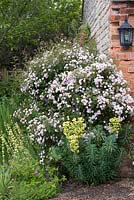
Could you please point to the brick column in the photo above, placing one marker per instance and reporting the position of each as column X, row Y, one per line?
column 124, row 59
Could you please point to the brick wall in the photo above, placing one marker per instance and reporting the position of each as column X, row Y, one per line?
column 96, row 14
column 104, row 18
column 124, row 59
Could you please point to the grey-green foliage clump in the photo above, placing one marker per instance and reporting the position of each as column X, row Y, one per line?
column 98, row 159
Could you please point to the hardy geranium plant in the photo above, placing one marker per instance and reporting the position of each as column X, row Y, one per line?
column 68, row 82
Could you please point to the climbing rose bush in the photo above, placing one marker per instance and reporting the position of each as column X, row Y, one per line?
column 68, row 82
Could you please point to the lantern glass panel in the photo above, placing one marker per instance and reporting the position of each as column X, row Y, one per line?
column 126, row 37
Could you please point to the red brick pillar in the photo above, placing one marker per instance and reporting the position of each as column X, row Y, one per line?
column 124, row 59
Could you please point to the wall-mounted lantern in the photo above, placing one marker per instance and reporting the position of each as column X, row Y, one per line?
column 126, row 34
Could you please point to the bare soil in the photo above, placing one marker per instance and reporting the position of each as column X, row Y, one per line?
column 117, row 190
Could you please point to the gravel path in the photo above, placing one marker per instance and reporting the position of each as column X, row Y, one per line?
column 120, row 190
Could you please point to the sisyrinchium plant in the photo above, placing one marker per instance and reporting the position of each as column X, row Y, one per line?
column 11, row 137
